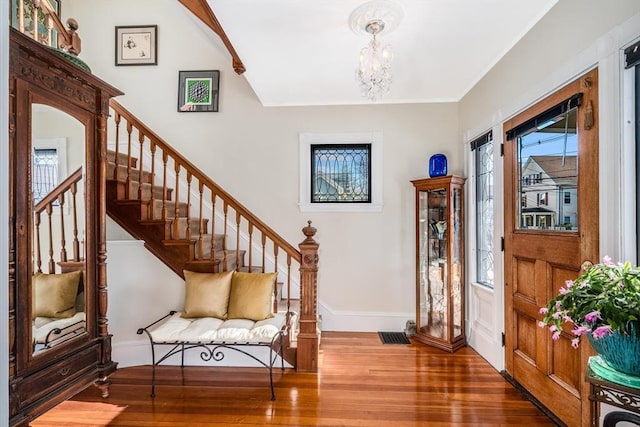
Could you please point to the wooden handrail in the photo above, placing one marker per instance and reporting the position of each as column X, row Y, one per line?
column 60, row 189
column 66, row 190
column 202, row 178
column 202, row 10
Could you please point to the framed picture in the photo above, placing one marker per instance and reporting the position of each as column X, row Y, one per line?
column 198, row 90
column 137, row 45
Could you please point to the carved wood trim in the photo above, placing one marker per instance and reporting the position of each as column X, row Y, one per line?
column 308, row 337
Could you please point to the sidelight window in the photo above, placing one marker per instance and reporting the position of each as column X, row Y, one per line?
column 483, row 161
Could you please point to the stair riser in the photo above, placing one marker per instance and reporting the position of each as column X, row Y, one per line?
column 134, row 174
column 194, row 228
column 206, row 245
column 157, row 210
column 122, row 159
column 146, row 192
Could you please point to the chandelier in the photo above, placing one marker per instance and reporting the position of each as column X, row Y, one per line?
column 374, row 71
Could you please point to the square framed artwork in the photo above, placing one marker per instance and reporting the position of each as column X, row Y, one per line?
column 198, row 91
column 137, row 45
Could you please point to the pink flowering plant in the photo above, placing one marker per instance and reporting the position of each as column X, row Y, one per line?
column 604, row 299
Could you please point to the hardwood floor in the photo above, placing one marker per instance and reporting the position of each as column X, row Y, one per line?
column 361, row 382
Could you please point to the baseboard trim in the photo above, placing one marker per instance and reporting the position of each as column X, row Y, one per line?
column 362, row 321
column 532, row 399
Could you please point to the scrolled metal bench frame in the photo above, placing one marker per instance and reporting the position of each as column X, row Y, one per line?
column 212, row 350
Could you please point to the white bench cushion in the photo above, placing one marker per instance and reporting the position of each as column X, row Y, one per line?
column 43, row 325
column 211, row 330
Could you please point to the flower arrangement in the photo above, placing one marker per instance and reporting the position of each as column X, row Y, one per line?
column 603, row 300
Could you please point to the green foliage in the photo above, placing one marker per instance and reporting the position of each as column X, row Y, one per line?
column 604, row 299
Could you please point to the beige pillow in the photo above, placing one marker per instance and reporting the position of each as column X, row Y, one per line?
column 206, row 294
column 251, row 295
column 54, row 295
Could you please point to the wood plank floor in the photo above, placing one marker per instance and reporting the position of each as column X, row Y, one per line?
column 361, row 382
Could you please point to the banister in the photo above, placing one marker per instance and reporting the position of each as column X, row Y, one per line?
column 60, row 189
column 62, row 31
column 197, row 173
column 202, row 10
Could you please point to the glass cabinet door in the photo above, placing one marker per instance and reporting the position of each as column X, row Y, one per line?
column 433, row 262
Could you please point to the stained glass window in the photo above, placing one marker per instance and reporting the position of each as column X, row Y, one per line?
column 483, row 156
column 341, row 173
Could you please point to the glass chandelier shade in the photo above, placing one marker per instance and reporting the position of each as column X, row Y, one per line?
column 374, row 70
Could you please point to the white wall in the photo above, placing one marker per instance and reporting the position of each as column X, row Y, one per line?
column 367, row 261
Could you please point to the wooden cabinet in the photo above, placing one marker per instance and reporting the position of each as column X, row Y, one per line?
column 440, row 262
column 57, row 234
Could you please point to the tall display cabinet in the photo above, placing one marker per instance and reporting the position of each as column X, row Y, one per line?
column 440, row 262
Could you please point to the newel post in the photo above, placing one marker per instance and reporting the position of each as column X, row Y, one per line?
column 308, row 336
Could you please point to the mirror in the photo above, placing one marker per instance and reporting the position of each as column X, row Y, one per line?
column 59, row 214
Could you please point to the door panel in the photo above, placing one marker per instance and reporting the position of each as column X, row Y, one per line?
column 551, row 227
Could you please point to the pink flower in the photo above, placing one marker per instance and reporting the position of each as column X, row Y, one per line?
column 607, row 260
column 580, row 330
column 541, row 324
column 569, row 284
column 553, row 328
column 556, row 336
column 575, row 342
column 601, row 331
column 592, row 317
column 557, row 315
column 568, row 319
column 563, row 291
column 558, row 305
column 544, row 310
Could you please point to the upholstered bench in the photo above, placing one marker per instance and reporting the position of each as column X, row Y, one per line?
column 57, row 308
column 222, row 311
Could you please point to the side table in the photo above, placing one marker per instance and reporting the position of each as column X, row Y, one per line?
column 604, row 391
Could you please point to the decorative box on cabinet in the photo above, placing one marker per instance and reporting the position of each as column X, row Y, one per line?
column 440, row 262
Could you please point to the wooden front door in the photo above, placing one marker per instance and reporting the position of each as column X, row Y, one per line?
column 551, row 229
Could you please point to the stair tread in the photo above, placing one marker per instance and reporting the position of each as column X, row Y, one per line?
column 111, row 158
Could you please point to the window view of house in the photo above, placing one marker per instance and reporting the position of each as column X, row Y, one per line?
column 549, row 174
column 341, row 173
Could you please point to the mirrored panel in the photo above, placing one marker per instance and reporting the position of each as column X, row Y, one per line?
column 58, row 185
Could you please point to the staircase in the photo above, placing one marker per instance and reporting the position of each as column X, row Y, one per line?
column 190, row 223
column 150, row 213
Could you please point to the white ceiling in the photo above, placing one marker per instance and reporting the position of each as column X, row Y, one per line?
column 302, row 52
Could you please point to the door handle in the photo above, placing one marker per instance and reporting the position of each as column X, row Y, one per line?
column 586, row 265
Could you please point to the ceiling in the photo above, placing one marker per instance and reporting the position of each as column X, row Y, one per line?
column 303, row 52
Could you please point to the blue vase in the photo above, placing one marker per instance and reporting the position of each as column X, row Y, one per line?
column 620, row 351
column 437, row 165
